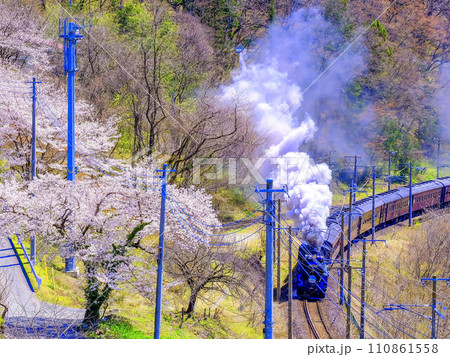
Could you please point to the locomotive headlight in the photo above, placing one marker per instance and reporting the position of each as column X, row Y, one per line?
column 312, row 279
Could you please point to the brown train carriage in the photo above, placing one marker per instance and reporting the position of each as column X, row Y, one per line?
column 397, row 208
column 446, row 196
column 427, row 199
column 389, row 207
column 365, row 208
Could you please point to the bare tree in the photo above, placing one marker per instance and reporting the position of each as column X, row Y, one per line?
column 4, row 293
column 429, row 249
column 205, row 268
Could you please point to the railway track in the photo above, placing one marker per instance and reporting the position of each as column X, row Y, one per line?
column 315, row 320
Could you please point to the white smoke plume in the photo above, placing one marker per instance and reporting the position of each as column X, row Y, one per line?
column 270, row 86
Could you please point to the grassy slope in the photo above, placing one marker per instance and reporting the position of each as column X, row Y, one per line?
column 134, row 315
column 390, row 281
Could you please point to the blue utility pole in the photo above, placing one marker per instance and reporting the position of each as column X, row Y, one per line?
column 410, row 193
column 433, row 307
column 364, row 257
column 72, row 32
column 33, row 129
column 157, row 330
column 355, row 172
column 438, row 158
column 391, row 153
column 434, row 310
column 270, row 209
column 33, row 159
column 341, row 275
column 374, row 176
column 353, row 190
column 270, row 225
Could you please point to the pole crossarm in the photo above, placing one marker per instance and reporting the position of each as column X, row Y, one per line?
column 349, row 214
column 166, row 171
column 356, row 240
column 423, row 280
column 404, row 307
column 354, row 189
column 272, row 190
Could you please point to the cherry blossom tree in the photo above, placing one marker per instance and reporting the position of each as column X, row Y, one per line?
column 93, row 138
column 105, row 222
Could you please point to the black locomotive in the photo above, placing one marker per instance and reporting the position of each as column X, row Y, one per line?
column 312, row 271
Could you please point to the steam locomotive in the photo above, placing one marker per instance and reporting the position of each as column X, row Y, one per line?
column 312, row 271
column 391, row 207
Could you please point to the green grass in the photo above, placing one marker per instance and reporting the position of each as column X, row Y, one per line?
column 231, row 204
column 118, row 328
column 57, row 287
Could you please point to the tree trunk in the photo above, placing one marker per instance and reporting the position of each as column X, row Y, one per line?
column 95, row 298
column 192, row 301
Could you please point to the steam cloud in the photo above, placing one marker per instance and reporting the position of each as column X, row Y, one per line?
column 272, row 85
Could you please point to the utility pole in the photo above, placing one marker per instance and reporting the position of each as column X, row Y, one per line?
column 341, row 277
column 349, row 302
column 330, row 154
column 374, row 174
column 290, row 322
column 421, row 169
column 157, row 330
column 268, row 321
column 33, row 159
column 434, row 311
column 391, row 153
column 438, row 161
column 270, row 225
column 349, row 269
column 410, row 194
column 355, row 168
column 352, row 191
column 33, row 129
column 279, row 253
column 72, row 32
column 364, row 257
column 433, row 307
